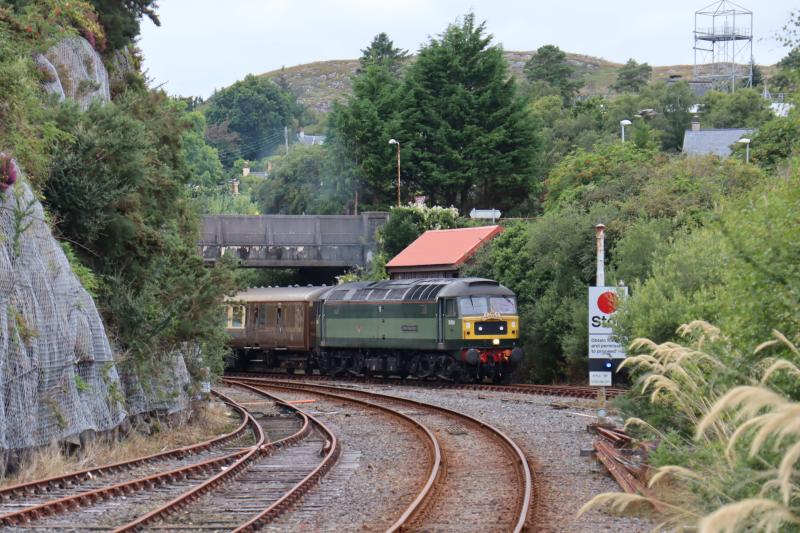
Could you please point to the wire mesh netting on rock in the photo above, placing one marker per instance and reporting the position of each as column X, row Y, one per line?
column 80, row 73
column 57, row 372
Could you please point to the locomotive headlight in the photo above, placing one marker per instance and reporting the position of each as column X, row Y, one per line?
column 467, row 325
column 513, row 324
column 496, row 341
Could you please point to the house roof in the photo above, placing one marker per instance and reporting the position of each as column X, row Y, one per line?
column 707, row 142
column 451, row 247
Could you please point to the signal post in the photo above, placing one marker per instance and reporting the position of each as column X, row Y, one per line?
column 605, row 353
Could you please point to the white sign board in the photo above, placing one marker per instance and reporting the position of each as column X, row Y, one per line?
column 485, row 213
column 603, row 349
column 600, row 379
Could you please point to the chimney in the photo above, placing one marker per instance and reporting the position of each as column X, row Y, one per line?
column 695, row 124
column 302, row 132
column 269, row 167
column 235, row 187
column 246, row 170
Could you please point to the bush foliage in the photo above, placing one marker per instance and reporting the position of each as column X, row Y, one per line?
column 115, row 181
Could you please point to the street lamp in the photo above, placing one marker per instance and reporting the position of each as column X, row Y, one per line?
column 397, row 143
column 624, row 123
column 746, row 143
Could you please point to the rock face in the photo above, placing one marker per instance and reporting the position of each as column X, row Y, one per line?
column 79, row 70
column 58, row 378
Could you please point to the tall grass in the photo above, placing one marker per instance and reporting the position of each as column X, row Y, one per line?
column 737, row 469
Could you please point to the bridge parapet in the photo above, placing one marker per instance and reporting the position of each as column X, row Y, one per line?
column 292, row 240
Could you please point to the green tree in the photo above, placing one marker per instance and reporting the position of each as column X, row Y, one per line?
column 203, row 160
column 749, row 247
column 745, row 108
column 359, row 133
column 466, row 135
column 120, row 19
column 256, row 110
column 632, row 77
column 775, row 141
column 791, row 61
column 382, row 53
column 300, row 184
column 550, row 65
column 583, row 173
column 406, row 223
column 673, row 102
column 118, row 190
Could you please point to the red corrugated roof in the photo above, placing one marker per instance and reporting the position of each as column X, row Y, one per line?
column 444, row 247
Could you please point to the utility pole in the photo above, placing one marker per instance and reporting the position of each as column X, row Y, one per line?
column 286, row 138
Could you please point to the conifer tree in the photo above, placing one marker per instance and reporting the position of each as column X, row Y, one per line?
column 381, row 52
column 549, row 65
column 467, row 139
column 632, row 77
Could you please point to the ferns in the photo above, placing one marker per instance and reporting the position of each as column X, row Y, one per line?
column 752, row 483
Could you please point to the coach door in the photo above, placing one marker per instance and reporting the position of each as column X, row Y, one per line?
column 267, row 331
column 292, row 323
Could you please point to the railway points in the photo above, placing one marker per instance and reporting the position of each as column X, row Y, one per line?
column 477, row 456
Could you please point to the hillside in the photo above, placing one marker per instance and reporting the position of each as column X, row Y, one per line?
column 319, row 84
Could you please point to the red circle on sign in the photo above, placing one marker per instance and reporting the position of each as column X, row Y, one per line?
column 607, row 302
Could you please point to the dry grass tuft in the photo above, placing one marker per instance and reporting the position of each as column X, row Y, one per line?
column 672, row 471
column 206, row 421
column 766, row 420
column 732, row 517
column 616, row 502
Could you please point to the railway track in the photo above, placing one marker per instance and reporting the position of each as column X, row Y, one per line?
column 97, row 499
column 25, row 502
column 433, row 470
column 287, row 469
column 483, row 481
column 523, row 388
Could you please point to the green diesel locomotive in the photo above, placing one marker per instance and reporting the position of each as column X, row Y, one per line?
column 453, row 328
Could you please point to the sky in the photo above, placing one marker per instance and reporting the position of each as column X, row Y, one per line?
column 203, row 45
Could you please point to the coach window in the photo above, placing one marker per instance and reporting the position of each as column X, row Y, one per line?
column 236, row 316
column 260, row 315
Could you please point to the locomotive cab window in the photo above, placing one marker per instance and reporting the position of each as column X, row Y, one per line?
column 472, row 305
column 480, row 305
column 505, row 305
column 450, row 308
column 236, row 316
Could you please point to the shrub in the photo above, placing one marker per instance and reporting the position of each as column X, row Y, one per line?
column 740, row 271
column 407, row 223
column 583, row 172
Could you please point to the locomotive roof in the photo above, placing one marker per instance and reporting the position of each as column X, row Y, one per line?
column 418, row 289
column 279, row 294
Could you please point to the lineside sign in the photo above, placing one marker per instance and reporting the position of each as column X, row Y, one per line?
column 603, row 349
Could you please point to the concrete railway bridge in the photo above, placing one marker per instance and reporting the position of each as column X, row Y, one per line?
column 292, row 241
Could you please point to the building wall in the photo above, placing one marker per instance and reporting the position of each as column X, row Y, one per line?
column 424, row 274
